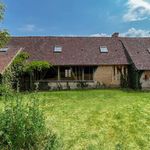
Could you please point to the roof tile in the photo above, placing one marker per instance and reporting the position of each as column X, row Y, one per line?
column 75, row 50
column 137, row 49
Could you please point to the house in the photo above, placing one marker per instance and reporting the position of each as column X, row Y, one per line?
column 84, row 61
column 138, row 52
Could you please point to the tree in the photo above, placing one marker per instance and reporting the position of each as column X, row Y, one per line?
column 4, row 38
column 21, row 65
column 4, row 35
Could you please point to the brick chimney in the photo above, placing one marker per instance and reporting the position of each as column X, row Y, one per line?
column 116, row 34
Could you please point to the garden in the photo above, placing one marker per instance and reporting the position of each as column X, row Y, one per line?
column 87, row 119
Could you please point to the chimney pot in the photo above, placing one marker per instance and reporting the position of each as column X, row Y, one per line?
column 116, row 34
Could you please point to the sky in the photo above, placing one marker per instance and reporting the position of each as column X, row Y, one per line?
column 77, row 17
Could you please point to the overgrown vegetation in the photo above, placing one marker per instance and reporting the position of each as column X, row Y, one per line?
column 97, row 119
column 4, row 38
column 124, row 81
column 20, row 66
column 5, row 90
column 134, row 78
column 23, row 126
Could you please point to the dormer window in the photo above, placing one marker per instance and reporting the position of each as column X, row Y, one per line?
column 103, row 49
column 57, row 49
column 4, row 49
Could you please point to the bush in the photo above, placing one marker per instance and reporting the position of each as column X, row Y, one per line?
column 5, row 90
column 22, row 127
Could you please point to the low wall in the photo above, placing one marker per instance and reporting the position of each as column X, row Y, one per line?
column 66, row 85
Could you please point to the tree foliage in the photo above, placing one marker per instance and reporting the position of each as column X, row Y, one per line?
column 2, row 8
column 4, row 35
column 36, row 65
column 21, row 66
column 19, row 63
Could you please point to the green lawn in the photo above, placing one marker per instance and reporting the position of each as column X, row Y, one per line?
column 98, row 119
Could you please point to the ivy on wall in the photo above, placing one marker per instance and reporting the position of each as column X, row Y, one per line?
column 124, row 81
column 134, row 78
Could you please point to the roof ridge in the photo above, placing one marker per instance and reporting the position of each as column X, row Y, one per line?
column 58, row 37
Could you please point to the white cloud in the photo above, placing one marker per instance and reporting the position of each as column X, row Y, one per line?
column 132, row 32
column 100, row 35
column 30, row 28
column 137, row 10
column 136, row 33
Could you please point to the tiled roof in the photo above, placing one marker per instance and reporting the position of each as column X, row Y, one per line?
column 81, row 51
column 137, row 49
column 7, row 57
column 75, row 50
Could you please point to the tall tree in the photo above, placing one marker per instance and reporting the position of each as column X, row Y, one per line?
column 4, row 35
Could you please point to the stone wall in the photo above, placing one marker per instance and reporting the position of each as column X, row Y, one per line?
column 66, row 85
column 145, row 80
column 110, row 75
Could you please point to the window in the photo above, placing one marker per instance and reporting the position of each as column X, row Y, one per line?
column 67, row 73
column 3, row 49
column 57, row 49
column 145, row 77
column 103, row 49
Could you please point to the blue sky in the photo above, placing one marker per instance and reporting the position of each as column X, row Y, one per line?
column 77, row 17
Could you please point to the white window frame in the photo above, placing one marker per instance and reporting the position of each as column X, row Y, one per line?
column 67, row 73
column 58, row 49
column 4, row 49
column 103, row 49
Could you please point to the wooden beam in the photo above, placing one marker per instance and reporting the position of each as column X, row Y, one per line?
column 116, row 73
column 76, row 74
column 122, row 70
column 82, row 73
column 58, row 73
column 93, row 71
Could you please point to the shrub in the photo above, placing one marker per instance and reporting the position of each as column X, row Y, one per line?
column 22, row 127
column 5, row 90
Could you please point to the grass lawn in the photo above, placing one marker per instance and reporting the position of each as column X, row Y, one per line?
column 98, row 119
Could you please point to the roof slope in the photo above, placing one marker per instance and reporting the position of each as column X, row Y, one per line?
column 75, row 50
column 7, row 57
column 137, row 49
